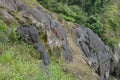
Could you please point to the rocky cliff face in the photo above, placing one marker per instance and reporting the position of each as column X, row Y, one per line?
column 82, row 51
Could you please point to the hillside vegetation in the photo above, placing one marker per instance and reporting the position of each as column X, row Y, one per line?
column 20, row 61
column 102, row 16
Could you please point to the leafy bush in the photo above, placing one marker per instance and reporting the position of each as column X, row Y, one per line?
column 81, row 16
column 95, row 24
column 13, row 36
column 3, row 27
column 111, row 41
column 7, row 33
column 71, row 13
column 3, row 32
column 67, row 18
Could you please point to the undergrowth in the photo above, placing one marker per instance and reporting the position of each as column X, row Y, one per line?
column 17, row 63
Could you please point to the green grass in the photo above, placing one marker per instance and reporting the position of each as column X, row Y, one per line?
column 18, row 61
column 57, row 73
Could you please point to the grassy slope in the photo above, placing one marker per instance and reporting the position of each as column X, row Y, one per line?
column 18, row 62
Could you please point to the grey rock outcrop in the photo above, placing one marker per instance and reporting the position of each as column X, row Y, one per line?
column 29, row 33
column 56, row 35
column 97, row 55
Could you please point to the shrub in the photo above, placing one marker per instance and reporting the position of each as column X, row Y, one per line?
column 13, row 36
column 67, row 18
column 7, row 33
column 3, row 32
column 81, row 16
column 95, row 24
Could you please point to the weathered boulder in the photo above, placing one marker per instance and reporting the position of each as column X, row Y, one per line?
column 30, row 35
column 43, row 55
column 66, row 53
column 116, row 71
